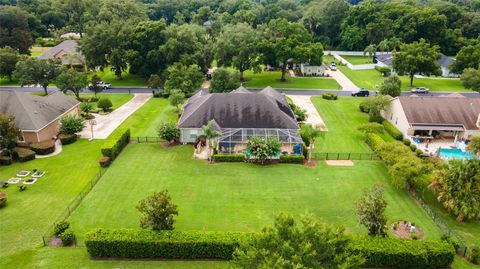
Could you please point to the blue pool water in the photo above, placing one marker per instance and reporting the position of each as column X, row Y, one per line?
column 450, row 154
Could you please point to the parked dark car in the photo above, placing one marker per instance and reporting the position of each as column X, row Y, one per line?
column 361, row 93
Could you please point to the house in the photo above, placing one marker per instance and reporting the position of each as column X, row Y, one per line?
column 71, row 35
column 447, row 119
column 239, row 115
column 67, row 52
column 37, row 116
column 386, row 59
column 312, row 70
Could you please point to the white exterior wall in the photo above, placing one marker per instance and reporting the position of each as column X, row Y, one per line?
column 396, row 116
column 309, row 70
column 189, row 135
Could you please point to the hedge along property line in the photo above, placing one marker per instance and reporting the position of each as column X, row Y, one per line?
column 115, row 143
column 292, row 159
column 229, row 158
column 136, row 243
column 392, row 130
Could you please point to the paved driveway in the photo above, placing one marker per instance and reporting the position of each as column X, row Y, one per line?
column 344, row 81
column 106, row 124
column 305, row 102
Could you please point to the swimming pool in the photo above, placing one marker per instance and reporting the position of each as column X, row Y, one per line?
column 450, row 154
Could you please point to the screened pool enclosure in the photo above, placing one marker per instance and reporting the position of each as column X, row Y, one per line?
column 234, row 140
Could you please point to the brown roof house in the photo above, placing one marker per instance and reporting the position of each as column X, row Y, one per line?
column 38, row 117
column 238, row 115
column 67, row 52
column 442, row 118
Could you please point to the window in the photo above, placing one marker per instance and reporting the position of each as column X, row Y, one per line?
column 193, row 134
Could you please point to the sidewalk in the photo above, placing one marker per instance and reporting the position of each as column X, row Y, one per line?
column 106, row 124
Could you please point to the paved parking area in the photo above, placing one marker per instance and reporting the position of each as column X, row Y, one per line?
column 305, row 102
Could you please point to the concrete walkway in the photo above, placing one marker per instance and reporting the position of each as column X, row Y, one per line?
column 305, row 102
column 106, row 124
column 58, row 149
column 344, row 81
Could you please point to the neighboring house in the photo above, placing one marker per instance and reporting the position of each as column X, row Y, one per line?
column 71, row 35
column 312, row 70
column 37, row 116
column 448, row 118
column 67, row 52
column 239, row 115
column 386, row 59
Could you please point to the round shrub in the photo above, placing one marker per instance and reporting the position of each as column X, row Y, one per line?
column 413, row 147
column 363, row 107
column 407, row 142
column 71, row 124
column 60, row 227
column 3, row 199
column 43, row 148
column 67, row 237
column 454, row 242
column 378, row 119
column 104, row 103
column 5, row 160
column 330, row 96
column 419, row 152
column 67, row 138
column 24, row 154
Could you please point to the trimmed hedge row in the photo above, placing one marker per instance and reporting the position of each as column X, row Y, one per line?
column 115, row 143
column 392, row 130
column 292, row 159
column 67, row 138
column 229, row 158
column 43, row 148
column 374, row 140
column 6, row 160
column 330, row 96
column 401, row 253
column 24, row 154
column 135, row 243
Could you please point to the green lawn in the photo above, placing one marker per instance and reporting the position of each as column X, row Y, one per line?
column 145, row 121
column 29, row 213
column 357, row 60
column 6, row 82
column 272, row 79
column 235, row 196
column 128, row 80
column 118, row 99
column 371, row 78
column 342, row 118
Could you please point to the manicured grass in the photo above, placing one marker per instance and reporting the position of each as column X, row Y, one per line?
column 36, row 51
column 460, row 263
column 235, row 196
column 29, row 214
column 272, row 79
column 4, row 81
column 118, row 99
column 128, row 80
column 356, row 60
column 77, row 257
column 370, row 79
column 145, row 121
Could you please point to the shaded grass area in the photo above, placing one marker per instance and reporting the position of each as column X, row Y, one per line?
column 145, row 121
column 4, row 81
column 235, row 196
column 118, row 99
column 357, row 60
column 29, row 213
column 272, row 79
column 370, row 79
column 128, row 80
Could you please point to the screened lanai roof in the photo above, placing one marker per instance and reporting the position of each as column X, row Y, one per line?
column 241, row 135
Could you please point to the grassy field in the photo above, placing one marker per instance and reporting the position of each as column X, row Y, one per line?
column 36, row 51
column 370, row 79
column 272, row 79
column 145, row 121
column 342, row 118
column 235, row 196
column 357, row 60
column 29, row 213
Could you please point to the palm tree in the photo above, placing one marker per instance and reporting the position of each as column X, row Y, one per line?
column 384, row 45
column 370, row 50
column 310, row 133
column 395, row 43
column 474, row 145
column 210, row 133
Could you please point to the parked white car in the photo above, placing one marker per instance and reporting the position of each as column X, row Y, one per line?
column 420, row 90
column 103, row 85
column 333, row 67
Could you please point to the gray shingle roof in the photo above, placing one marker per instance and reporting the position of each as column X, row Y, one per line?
column 387, row 59
column 34, row 112
column 443, row 110
column 68, row 47
column 239, row 109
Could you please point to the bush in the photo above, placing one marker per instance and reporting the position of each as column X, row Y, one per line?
column 169, row 131
column 132, row 243
column 105, row 161
column 330, row 96
column 67, row 237
column 371, row 127
column 292, row 159
column 71, row 124
column 452, row 241
column 60, row 227
column 5, row 160
column 413, row 147
column 104, row 103
column 364, row 107
column 24, row 154
column 3, row 199
column 229, row 158
column 115, row 143
column 398, row 253
column 377, row 119
column 67, row 138
column 43, row 148
column 374, row 140
column 414, row 236
column 384, row 70
column 392, row 130
column 474, row 255
column 407, row 142
column 419, row 152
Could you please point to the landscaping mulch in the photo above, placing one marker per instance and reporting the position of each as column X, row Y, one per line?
column 402, row 230
column 312, row 163
column 55, row 242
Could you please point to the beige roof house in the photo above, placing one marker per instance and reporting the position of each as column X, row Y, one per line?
column 67, row 52
column 36, row 116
